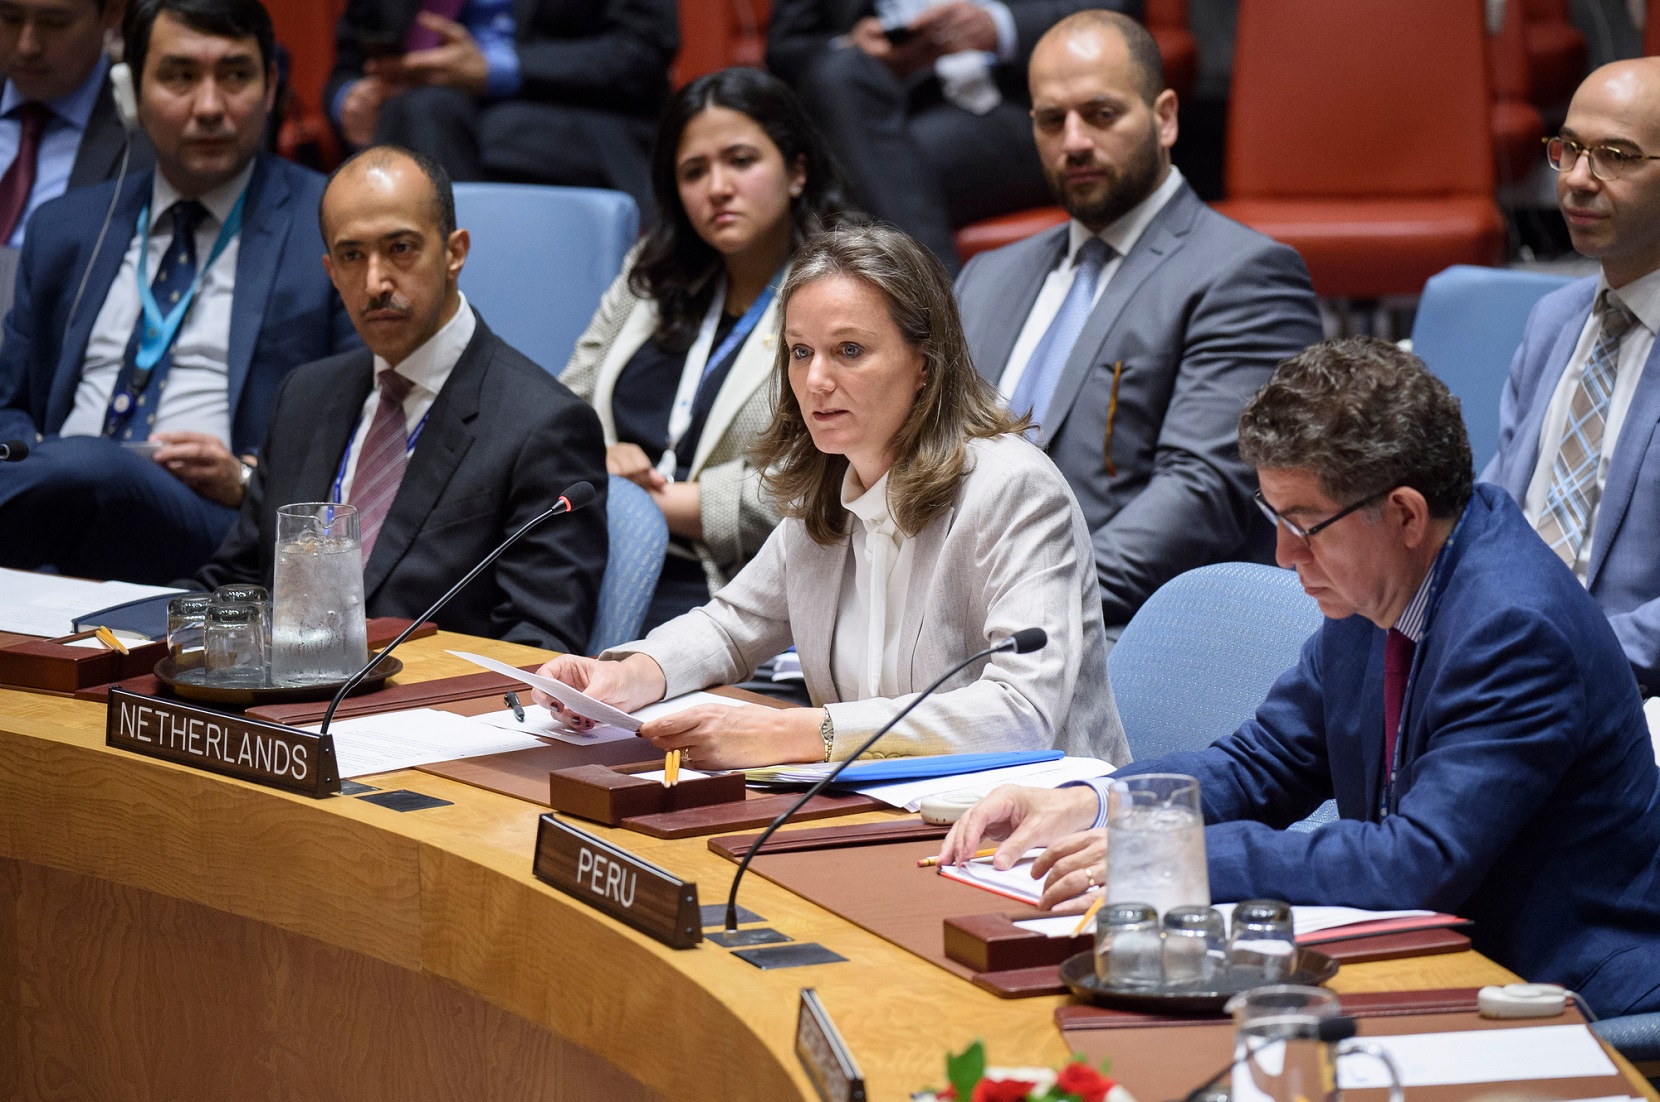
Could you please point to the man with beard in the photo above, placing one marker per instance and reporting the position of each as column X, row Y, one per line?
column 445, row 438
column 1134, row 334
column 1577, row 432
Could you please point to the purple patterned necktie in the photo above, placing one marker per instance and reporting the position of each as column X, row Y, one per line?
column 381, row 466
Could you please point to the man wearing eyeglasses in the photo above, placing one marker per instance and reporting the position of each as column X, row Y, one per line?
column 1577, row 440
column 1464, row 702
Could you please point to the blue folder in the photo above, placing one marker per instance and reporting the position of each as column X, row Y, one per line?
column 941, row 765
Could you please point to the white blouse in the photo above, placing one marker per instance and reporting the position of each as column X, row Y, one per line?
column 865, row 651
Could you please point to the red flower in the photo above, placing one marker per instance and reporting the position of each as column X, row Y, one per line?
column 1083, row 1081
column 1002, row 1090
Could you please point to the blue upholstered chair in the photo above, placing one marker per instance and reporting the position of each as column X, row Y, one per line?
column 541, row 259
column 1469, row 325
column 1637, row 1037
column 639, row 537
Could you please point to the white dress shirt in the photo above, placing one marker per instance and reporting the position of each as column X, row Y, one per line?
column 195, row 395
column 60, row 143
column 1121, row 235
column 427, row 368
column 865, row 653
column 1642, row 297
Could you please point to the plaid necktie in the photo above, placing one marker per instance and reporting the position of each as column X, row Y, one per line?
column 385, row 454
column 136, row 400
column 1565, row 523
column 1043, row 370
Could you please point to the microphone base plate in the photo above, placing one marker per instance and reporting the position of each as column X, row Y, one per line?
column 737, row 939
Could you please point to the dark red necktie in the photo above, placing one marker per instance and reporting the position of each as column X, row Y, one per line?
column 419, row 38
column 19, row 179
column 1397, row 667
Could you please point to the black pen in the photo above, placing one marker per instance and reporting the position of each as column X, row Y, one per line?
column 512, row 700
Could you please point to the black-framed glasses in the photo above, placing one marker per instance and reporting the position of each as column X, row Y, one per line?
column 1607, row 162
column 1306, row 534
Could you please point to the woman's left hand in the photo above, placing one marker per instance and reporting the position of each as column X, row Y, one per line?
column 720, row 737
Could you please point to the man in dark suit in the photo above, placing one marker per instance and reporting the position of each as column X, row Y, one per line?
column 1135, row 333
column 148, row 354
column 1465, row 702
column 540, row 91
column 59, row 127
column 923, row 102
column 445, row 438
column 1580, row 413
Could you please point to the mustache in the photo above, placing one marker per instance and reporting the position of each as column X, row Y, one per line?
column 391, row 300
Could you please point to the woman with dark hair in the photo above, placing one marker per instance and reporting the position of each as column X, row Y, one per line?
column 677, row 358
column 920, row 527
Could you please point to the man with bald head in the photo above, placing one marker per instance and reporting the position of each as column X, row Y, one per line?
column 1578, row 446
column 445, row 438
column 1135, row 333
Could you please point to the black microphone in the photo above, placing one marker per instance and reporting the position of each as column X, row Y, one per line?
column 13, row 450
column 574, row 498
column 1330, row 1031
column 1021, row 642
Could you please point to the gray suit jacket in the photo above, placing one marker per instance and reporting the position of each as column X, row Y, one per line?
column 1199, row 313
column 1011, row 552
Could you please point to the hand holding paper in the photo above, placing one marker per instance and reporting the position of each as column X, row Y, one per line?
column 582, row 710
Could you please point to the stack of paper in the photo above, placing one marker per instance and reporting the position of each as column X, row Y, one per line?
column 540, row 721
column 46, row 604
column 402, row 740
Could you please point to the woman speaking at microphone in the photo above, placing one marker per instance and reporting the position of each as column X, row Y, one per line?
column 920, row 527
column 677, row 359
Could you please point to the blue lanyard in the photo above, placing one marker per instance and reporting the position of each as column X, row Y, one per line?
column 745, row 325
column 1438, row 577
column 408, row 450
column 159, row 331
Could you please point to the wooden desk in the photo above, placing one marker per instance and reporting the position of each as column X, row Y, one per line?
column 166, row 933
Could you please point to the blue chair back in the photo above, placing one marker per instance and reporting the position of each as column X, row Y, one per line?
column 639, row 538
column 1199, row 657
column 1469, row 325
column 541, row 259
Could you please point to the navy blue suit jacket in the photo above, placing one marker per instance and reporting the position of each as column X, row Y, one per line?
column 284, row 313
column 1624, row 571
column 1528, row 799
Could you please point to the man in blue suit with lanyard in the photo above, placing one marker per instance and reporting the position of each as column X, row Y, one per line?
column 154, row 322
column 1465, row 702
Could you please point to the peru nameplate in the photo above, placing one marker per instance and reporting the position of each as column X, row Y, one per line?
column 264, row 753
column 819, row 1046
column 652, row 900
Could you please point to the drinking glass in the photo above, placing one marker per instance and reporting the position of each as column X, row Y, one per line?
column 1156, row 842
column 318, row 633
column 254, row 596
column 234, row 646
column 1195, row 949
column 186, row 621
column 1263, row 941
column 1127, row 946
column 1280, row 1054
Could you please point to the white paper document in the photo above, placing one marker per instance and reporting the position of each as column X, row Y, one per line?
column 574, row 699
column 1015, row 882
column 540, row 721
column 402, row 740
column 1044, row 774
column 46, row 604
column 1482, row 1056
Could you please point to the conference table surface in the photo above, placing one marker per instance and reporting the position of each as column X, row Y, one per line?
column 169, row 923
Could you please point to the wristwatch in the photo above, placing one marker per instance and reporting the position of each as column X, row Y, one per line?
column 244, row 476
column 827, row 732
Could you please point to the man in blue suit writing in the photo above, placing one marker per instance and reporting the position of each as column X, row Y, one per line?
column 1465, row 702
column 1579, row 429
column 145, row 355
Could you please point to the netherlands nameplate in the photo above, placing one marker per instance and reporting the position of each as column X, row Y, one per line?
column 264, row 753
column 652, row 900
column 819, row 1045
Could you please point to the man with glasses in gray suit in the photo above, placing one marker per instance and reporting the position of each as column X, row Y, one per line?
column 1135, row 333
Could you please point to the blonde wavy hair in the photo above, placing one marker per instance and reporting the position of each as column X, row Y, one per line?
column 954, row 406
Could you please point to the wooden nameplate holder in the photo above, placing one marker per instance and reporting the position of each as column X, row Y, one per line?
column 993, row 943
column 613, row 794
column 54, row 666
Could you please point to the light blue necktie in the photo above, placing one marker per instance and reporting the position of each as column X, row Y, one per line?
column 1043, row 370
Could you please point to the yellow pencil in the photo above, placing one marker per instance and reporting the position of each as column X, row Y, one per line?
column 671, row 769
column 109, row 639
column 1089, row 914
column 930, row 862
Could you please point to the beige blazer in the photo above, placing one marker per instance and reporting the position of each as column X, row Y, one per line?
column 737, row 517
column 1011, row 552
